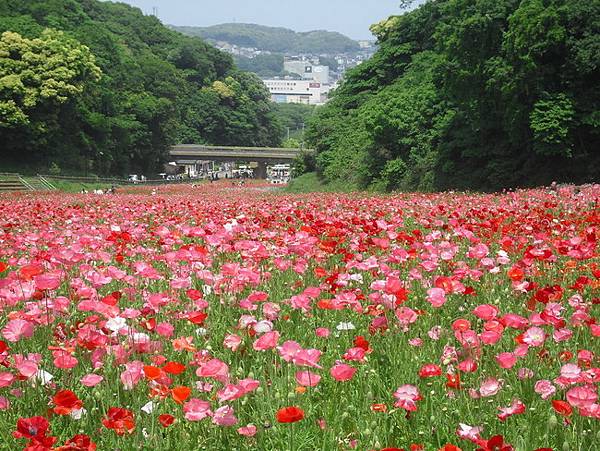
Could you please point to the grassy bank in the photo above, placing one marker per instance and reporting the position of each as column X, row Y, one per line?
column 311, row 182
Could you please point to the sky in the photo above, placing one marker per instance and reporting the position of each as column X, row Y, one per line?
column 350, row 17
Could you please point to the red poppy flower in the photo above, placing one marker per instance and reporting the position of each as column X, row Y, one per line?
column 65, row 401
column 151, row 372
column 34, row 429
column 197, row 317
column 449, row 447
column 174, row 368
column 180, row 394
column 562, row 408
column 120, row 420
column 360, row 342
column 496, row 443
column 430, row 370
column 166, row 420
column 453, row 380
column 290, row 414
column 80, row 442
column 378, row 407
column 3, row 266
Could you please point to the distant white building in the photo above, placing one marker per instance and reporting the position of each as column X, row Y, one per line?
column 308, row 92
column 307, row 70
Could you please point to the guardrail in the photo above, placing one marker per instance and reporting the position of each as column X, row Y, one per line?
column 114, row 181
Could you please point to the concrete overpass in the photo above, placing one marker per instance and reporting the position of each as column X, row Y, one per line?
column 262, row 155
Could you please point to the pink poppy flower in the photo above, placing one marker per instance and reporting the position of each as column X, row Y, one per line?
column 583, row 396
column 307, row 378
column 232, row 342
column 544, row 388
column 322, row 332
column 517, row 407
column 436, row 297
column 6, row 379
column 247, row 431
column 485, row 312
column 534, row 336
column 196, row 409
column 27, row 368
column 342, row 372
column 4, row 403
column 489, row 387
column 506, row 360
column 215, row 369
column 16, row 329
column 407, row 397
column 266, row 341
column 91, row 380
column 224, row 416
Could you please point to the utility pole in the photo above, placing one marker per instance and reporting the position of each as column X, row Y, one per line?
column 288, row 129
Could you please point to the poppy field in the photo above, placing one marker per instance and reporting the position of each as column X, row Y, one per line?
column 220, row 318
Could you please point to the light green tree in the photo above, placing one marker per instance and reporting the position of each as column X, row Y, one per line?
column 37, row 72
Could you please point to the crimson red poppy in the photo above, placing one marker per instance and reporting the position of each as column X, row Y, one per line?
column 3, row 266
column 360, row 342
column 120, row 420
column 496, row 443
column 453, row 380
column 449, row 447
column 80, row 442
column 562, row 407
column 290, row 414
column 197, row 317
column 34, row 429
column 166, row 420
column 65, row 401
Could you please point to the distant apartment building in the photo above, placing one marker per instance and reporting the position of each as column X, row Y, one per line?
column 307, row 70
column 309, row 92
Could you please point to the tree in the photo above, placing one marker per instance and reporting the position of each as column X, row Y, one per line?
column 37, row 73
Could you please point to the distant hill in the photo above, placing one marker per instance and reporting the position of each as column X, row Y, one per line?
column 280, row 40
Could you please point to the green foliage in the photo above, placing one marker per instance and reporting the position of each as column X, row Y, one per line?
column 470, row 94
column 156, row 89
column 264, row 65
column 38, row 73
column 551, row 122
column 279, row 40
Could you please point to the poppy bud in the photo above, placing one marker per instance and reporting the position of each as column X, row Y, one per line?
column 566, row 446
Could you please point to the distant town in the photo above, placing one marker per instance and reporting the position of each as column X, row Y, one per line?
column 307, row 80
column 295, row 67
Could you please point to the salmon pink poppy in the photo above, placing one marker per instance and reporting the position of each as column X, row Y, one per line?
column 290, row 414
column 91, row 380
column 196, row 409
column 247, row 431
column 342, row 372
column 266, row 341
column 307, row 378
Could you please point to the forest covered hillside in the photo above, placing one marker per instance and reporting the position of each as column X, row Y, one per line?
column 275, row 39
column 470, row 94
column 100, row 87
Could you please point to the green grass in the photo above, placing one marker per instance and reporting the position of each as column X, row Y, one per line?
column 76, row 187
column 312, row 183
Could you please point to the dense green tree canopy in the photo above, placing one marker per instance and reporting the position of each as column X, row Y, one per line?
column 112, row 89
column 275, row 39
column 482, row 94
